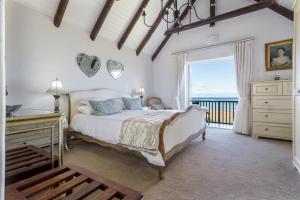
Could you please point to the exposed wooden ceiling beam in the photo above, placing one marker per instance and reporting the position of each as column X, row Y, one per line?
column 62, row 6
column 221, row 17
column 271, row 4
column 108, row 5
column 167, row 37
column 161, row 46
column 132, row 23
column 153, row 27
column 212, row 11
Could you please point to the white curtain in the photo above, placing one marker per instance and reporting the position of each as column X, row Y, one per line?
column 181, row 99
column 2, row 99
column 243, row 70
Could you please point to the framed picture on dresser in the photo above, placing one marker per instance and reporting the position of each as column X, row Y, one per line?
column 279, row 55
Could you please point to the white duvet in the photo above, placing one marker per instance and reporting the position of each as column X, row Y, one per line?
column 108, row 128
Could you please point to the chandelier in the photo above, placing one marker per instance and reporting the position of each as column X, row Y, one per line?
column 175, row 11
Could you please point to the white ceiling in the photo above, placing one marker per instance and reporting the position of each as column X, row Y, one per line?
column 83, row 14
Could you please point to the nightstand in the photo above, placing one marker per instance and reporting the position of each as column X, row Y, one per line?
column 35, row 127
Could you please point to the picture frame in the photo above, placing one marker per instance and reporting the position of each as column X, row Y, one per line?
column 279, row 55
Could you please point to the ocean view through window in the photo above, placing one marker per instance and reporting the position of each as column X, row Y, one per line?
column 213, row 85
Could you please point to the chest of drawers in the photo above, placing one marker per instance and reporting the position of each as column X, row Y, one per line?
column 272, row 109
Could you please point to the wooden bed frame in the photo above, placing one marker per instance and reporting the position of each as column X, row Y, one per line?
column 166, row 156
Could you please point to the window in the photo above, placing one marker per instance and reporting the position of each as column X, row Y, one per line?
column 213, row 78
column 213, row 85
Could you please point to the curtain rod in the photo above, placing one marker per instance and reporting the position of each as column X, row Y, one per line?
column 211, row 46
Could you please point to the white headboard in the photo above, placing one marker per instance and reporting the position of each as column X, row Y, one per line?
column 76, row 96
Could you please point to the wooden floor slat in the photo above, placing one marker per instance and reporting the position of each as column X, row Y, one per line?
column 21, row 185
column 51, row 194
column 84, row 191
column 8, row 154
column 25, row 163
column 32, row 167
column 69, row 183
column 108, row 194
column 11, row 162
column 50, row 182
column 20, row 155
column 16, row 149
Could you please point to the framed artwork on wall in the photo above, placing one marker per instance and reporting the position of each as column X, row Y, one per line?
column 279, row 55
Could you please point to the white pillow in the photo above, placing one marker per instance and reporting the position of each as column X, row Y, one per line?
column 86, row 109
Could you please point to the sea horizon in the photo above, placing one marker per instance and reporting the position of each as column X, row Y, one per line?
column 215, row 98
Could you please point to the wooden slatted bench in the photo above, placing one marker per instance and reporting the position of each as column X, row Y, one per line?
column 26, row 161
column 70, row 183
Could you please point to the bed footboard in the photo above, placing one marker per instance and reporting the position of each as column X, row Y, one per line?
column 182, row 128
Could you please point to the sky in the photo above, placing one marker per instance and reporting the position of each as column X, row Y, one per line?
column 213, row 78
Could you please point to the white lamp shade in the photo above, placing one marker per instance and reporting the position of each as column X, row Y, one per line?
column 56, row 88
column 141, row 91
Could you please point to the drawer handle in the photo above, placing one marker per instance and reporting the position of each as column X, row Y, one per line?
column 24, row 143
column 266, row 88
column 266, row 102
column 266, row 115
column 266, row 129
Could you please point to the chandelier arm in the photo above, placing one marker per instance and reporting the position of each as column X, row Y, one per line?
column 183, row 6
column 169, row 22
column 171, row 9
column 196, row 14
column 146, row 23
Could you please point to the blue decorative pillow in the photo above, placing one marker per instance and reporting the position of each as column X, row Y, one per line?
column 107, row 107
column 133, row 103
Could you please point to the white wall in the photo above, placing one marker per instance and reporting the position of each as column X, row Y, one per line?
column 265, row 25
column 38, row 52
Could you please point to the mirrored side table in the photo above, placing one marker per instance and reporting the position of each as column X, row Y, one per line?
column 36, row 127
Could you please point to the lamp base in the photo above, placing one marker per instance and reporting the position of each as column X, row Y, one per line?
column 56, row 103
column 142, row 100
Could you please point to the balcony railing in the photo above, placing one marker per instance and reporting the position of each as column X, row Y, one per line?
column 221, row 112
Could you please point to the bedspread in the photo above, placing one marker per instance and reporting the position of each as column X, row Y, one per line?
column 143, row 132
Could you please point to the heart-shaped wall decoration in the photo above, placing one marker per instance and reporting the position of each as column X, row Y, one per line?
column 114, row 68
column 89, row 65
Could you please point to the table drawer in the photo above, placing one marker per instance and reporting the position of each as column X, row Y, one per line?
column 272, row 131
column 272, row 103
column 39, row 138
column 274, row 88
column 265, row 116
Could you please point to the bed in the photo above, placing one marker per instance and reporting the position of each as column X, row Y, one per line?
column 175, row 132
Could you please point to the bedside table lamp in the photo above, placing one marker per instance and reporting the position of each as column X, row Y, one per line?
column 141, row 92
column 56, row 89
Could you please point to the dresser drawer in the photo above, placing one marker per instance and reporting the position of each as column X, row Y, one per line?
column 272, row 131
column 275, row 117
column 273, row 88
column 265, row 102
column 287, row 88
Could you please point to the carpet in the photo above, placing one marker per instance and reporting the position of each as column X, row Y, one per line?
column 226, row 166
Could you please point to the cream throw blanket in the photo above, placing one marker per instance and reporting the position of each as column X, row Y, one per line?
column 143, row 132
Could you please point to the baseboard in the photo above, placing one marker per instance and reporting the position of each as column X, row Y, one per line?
column 296, row 163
